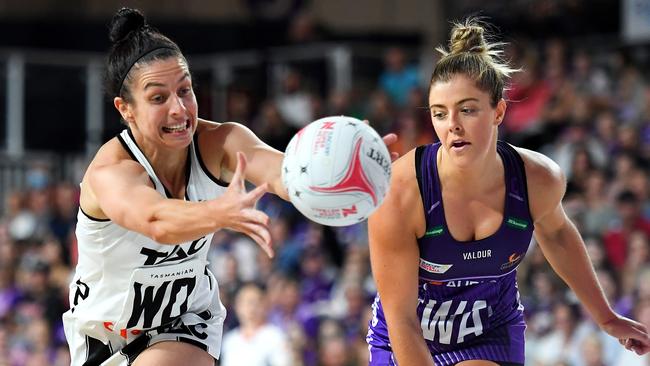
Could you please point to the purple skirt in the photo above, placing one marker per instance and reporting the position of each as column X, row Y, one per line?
column 503, row 344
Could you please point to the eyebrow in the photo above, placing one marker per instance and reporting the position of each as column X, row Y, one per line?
column 153, row 84
column 457, row 103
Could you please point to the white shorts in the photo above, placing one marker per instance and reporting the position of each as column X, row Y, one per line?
column 202, row 330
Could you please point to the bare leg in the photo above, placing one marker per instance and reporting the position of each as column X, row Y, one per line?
column 171, row 353
column 477, row 363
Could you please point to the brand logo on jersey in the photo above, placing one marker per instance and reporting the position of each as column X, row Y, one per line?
column 462, row 283
column 173, row 274
column 441, row 320
column 176, row 327
column 457, row 283
column 434, row 231
column 513, row 260
column 151, row 301
column 478, row 254
column 178, row 253
column 517, row 223
column 434, row 267
column 81, row 292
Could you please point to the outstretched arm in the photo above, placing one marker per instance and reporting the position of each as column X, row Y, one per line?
column 120, row 189
column 264, row 162
column 564, row 249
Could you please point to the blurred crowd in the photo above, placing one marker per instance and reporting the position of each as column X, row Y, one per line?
column 309, row 305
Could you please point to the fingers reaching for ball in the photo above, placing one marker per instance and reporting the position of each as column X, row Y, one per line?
column 238, row 207
column 389, row 139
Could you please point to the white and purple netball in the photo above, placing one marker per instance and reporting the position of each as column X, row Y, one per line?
column 336, row 170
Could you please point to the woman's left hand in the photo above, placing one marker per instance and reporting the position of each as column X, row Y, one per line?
column 389, row 139
column 631, row 334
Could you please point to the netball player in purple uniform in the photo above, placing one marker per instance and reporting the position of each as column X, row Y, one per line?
column 457, row 221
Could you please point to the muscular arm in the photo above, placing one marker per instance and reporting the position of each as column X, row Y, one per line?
column 264, row 162
column 120, row 189
column 558, row 237
column 394, row 256
column 126, row 196
column 564, row 249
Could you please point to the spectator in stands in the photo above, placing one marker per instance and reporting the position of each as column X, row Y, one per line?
column 381, row 111
column 616, row 238
column 588, row 79
column 563, row 342
column 398, row 78
column 638, row 256
column 335, row 348
column 294, row 102
column 598, row 210
column 629, row 95
column 605, row 131
column 592, row 351
column 63, row 216
column 412, row 133
column 255, row 342
column 303, row 29
column 529, row 95
column 270, row 126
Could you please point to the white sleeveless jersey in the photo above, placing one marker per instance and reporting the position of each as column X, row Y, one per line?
column 128, row 288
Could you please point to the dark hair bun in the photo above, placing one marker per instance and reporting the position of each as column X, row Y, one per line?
column 125, row 21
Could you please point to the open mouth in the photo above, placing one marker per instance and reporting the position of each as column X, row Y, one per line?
column 179, row 127
column 459, row 144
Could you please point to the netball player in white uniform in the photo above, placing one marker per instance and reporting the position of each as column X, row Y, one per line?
column 151, row 200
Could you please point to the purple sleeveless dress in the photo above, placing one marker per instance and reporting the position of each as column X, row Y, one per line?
column 468, row 298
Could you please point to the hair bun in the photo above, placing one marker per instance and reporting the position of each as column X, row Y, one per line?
column 467, row 38
column 125, row 21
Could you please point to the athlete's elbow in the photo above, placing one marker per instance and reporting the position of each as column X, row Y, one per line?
column 161, row 233
column 156, row 233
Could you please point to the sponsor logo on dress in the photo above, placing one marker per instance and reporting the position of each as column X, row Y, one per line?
column 477, row 254
column 517, row 223
column 155, row 257
column 434, row 267
column 173, row 274
column 513, row 260
column 454, row 321
column 434, row 231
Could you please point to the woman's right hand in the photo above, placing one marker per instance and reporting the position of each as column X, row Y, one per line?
column 631, row 334
column 240, row 212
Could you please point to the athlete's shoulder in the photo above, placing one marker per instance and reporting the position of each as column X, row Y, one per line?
column 217, row 136
column 540, row 168
column 111, row 163
column 545, row 180
column 111, row 153
column 401, row 211
column 212, row 129
column 404, row 190
column 404, row 168
column 115, row 161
